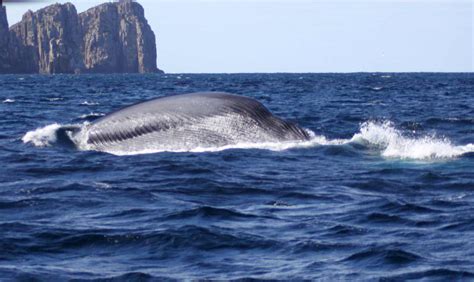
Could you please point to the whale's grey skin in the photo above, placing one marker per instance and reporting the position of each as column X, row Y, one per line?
column 181, row 122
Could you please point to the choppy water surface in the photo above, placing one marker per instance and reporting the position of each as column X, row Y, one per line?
column 385, row 188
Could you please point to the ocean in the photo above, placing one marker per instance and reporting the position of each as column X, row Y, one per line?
column 383, row 190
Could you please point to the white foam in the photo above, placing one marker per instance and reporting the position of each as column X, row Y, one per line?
column 315, row 140
column 87, row 103
column 54, row 99
column 6, row 101
column 393, row 144
column 42, row 137
column 381, row 137
column 90, row 115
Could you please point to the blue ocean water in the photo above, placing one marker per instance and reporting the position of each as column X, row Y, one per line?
column 384, row 190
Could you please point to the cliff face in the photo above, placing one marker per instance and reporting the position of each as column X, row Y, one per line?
column 5, row 65
column 113, row 37
column 48, row 41
column 116, row 36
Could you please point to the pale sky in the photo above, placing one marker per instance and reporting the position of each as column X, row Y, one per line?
column 216, row 36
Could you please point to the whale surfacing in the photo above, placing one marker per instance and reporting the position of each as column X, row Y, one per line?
column 186, row 122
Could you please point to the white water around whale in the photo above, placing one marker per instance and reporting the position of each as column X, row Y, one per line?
column 42, row 137
column 394, row 144
column 383, row 137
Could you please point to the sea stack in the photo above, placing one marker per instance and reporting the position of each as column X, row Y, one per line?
column 5, row 66
column 110, row 38
column 117, row 38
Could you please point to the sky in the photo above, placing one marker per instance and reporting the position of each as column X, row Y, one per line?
column 229, row 36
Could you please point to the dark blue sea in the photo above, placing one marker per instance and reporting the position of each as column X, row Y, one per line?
column 383, row 190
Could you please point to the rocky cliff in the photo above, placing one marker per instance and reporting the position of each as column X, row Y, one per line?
column 110, row 38
column 47, row 41
column 5, row 65
column 116, row 36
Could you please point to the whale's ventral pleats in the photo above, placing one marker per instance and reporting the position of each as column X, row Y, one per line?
column 190, row 120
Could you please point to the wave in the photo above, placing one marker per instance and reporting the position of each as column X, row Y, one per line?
column 381, row 256
column 53, row 99
column 381, row 137
column 394, row 144
column 87, row 103
column 376, row 88
column 91, row 115
column 52, row 134
column 42, row 137
column 6, row 101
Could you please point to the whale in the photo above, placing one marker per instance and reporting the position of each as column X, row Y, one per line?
column 185, row 122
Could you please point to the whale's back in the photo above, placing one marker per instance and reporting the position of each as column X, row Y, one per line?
column 191, row 120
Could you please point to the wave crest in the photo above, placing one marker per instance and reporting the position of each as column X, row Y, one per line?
column 42, row 137
column 393, row 144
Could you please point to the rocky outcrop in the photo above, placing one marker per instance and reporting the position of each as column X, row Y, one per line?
column 110, row 38
column 5, row 64
column 48, row 41
column 116, row 36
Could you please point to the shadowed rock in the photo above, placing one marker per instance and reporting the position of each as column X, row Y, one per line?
column 109, row 38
